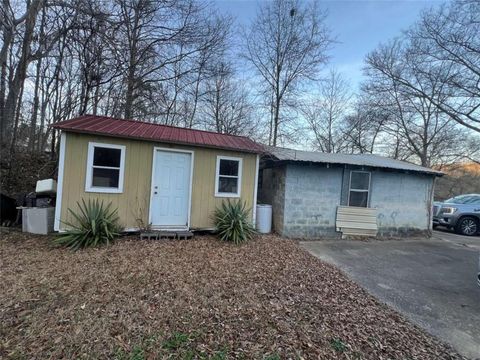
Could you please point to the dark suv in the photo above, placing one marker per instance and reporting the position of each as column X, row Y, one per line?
column 461, row 213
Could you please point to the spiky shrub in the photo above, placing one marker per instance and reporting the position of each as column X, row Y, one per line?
column 94, row 224
column 232, row 222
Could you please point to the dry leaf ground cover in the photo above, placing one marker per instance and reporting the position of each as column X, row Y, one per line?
column 201, row 299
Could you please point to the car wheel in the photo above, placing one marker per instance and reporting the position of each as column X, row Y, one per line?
column 434, row 226
column 467, row 226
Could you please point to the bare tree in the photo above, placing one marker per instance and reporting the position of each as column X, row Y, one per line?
column 214, row 46
column 286, row 44
column 363, row 128
column 165, row 42
column 135, row 58
column 9, row 100
column 445, row 44
column 227, row 108
column 29, row 41
column 325, row 113
column 141, row 24
column 94, row 46
column 425, row 130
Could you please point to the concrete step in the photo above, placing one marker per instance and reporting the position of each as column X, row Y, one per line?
column 184, row 235
column 165, row 235
column 158, row 235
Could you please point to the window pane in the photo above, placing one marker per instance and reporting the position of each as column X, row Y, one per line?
column 227, row 185
column 360, row 180
column 358, row 199
column 106, row 157
column 229, row 167
column 105, row 177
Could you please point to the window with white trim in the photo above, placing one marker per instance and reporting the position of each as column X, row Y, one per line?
column 228, row 179
column 105, row 168
column 359, row 188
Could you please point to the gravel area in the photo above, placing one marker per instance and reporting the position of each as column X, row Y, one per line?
column 192, row 299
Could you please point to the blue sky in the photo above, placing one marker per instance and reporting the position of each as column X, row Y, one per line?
column 359, row 26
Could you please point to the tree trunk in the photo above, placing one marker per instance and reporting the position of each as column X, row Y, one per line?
column 96, row 95
column 36, row 99
column 7, row 40
column 217, row 105
column 20, row 72
column 132, row 67
column 41, row 133
column 276, row 116
column 195, row 101
column 130, row 89
column 13, row 140
column 36, row 102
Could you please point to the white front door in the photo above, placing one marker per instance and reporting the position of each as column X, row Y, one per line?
column 170, row 189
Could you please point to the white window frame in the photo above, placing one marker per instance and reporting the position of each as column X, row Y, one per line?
column 239, row 177
column 90, row 166
column 350, row 189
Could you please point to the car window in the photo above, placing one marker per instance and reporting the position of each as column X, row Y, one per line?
column 464, row 199
column 476, row 200
column 454, row 200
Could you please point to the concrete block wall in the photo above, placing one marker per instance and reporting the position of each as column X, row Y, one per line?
column 312, row 194
column 305, row 200
column 403, row 202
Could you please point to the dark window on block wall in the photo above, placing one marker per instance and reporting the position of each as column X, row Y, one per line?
column 359, row 188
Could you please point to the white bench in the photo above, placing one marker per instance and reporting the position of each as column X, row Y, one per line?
column 358, row 221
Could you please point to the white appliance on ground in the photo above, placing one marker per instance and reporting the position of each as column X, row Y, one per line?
column 38, row 220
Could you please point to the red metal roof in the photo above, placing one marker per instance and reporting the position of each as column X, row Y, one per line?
column 104, row 125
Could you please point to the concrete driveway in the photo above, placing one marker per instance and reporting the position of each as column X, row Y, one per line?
column 431, row 281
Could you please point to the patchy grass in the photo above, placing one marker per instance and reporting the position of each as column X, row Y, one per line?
column 199, row 299
column 338, row 345
column 176, row 341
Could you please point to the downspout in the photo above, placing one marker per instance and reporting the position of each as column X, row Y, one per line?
column 61, row 165
column 255, row 191
column 429, row 207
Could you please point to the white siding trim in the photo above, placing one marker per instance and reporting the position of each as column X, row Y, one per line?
column 239, row 177
column 61, row 166
column 255, row 191
column 192, row 161
column 89, row 174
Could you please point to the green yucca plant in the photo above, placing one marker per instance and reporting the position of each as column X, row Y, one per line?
column 232, row 222
column 95, row 224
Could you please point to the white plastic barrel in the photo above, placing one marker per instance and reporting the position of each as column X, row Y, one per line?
column 264, row 219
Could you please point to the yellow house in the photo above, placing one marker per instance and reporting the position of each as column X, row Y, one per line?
column 155, row 175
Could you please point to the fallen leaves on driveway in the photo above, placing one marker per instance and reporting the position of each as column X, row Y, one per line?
column 200, row 298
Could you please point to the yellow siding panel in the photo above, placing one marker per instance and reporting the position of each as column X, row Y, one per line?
column 134, row 203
